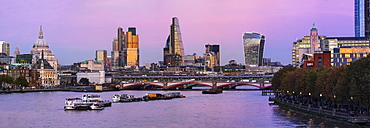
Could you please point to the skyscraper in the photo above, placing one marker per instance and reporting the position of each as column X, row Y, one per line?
column 125, row 48
column 132, row 47
column 253, row 48
column 118, row 54
column 367, row 19
column 362, row 18
column 173, row 53
column 359, row 18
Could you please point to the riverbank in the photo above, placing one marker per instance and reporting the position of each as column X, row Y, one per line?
column 328, row 113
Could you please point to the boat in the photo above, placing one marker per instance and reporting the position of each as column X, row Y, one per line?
column 212, row 91
column 153, row 96
column 96, row 106
column 174, row 95
column 358, row 120
column 76, row 104
column 125, row 98
column 96, row 98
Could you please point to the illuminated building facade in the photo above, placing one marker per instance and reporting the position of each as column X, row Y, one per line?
column 125, row 49
column 253, row 48
column 213, row 50
column 344, row 56
column 173, row 53
column 101, row 56
column 132, row 43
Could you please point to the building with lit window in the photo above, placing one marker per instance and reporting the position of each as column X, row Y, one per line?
column 5, row 48
column 213, row 53
column 132, row 47
column 101, row 56
column 253, row 48
column 345, row 55
column 173, row 52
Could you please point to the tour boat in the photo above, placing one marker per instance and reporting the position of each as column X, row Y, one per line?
column 76, row 104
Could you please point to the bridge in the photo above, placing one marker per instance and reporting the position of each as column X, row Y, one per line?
column 190, row 84
column 187, row 82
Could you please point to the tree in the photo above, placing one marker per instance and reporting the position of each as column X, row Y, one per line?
column 358, row 74
column 279, row 76
column 84, row 81
column 6, row 79
column 22, row 81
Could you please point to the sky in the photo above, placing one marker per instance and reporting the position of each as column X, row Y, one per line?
column 74, row 29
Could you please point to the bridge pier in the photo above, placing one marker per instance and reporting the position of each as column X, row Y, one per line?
column 165, row 85
column 214, row 85
column 262, row 85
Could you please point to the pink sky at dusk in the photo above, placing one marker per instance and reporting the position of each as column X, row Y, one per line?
column 74, row 30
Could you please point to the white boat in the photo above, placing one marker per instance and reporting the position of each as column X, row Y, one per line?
column 76, row 104
column 119, row 98
column 96, row 106
column 96, row 98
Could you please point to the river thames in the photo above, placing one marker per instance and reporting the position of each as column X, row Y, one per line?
column 231, row 109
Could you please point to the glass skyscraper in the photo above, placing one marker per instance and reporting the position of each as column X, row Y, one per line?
column 173, row 53
column 253, row 48
column 360, row 18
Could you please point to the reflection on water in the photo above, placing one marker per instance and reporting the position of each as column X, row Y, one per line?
column 229, row 109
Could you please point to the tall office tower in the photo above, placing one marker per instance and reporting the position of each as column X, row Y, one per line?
column 101, row 56
column 5, row 48
column 132, row 47
column 46, row 64
column 118, row 52
column 254, row 44
column 173, row 53
column 360, row 18
column 215, row 51
column 314, row 38
column 367, row 18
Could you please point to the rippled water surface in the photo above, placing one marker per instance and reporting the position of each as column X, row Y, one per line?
column 247, row 109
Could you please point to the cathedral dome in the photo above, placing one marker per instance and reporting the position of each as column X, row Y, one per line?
column 40, row 42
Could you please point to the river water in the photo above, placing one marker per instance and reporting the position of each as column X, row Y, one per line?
column 231, row 109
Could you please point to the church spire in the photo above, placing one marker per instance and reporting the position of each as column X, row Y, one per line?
column 40, row 33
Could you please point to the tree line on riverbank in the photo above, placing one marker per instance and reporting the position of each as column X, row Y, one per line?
column 346, row 84
column 5, row 79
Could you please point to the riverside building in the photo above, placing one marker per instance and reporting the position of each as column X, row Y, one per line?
column 45, row 65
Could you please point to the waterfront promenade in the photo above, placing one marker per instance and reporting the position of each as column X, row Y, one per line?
column 331, row 110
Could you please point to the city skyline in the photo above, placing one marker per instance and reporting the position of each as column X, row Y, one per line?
column 82, row 28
